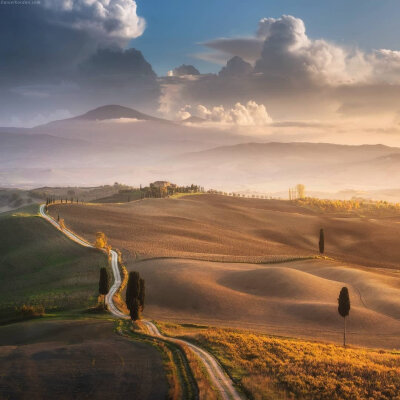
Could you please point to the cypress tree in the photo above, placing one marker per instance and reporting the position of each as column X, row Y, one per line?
column 134, row 312
column 132, row 289
column 142, row 293
column 321, row 241
column 344, row 309
column 104, row 284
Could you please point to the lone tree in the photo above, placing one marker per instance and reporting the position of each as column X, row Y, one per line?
column 132, row 297
column 344, row 309
column 101, row 240
column 104, row 284
column 142, row 293
column 321, row 241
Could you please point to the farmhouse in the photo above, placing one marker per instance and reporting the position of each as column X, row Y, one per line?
column 162, row 184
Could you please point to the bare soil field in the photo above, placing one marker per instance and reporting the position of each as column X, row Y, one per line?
column 171, row 242
column 292, row 299
column 77, row 359
column 212, row 227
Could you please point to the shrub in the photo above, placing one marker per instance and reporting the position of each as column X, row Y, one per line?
column 30, row 311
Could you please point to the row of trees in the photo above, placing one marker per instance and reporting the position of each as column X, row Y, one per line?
column 159, row 191
column 60, row 200
column 298, row 192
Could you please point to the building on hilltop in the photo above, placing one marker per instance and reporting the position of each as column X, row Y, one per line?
column 162, row 184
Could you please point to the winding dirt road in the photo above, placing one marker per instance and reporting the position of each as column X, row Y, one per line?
column 218, row 377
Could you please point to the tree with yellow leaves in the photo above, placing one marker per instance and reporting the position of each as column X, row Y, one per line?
column 300, row 189
column 101, row 240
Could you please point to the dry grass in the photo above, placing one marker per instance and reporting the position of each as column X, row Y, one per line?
column 272, row 367
column 206, row 390
column 355, row 207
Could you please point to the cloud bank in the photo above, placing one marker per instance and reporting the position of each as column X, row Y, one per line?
column 294, row 76
column 250, row 114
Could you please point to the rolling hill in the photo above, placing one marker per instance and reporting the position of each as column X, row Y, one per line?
column 212, row 259
column 40, row 266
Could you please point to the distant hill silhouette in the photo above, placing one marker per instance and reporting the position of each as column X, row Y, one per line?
column 193, row 119
column 115, row 112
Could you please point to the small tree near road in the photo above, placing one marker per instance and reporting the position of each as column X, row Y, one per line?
column 321, row 241
column 104, row 284
column 344, row 309
column 101, row 240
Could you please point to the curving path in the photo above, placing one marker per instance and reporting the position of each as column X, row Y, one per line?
column 114, row 263
column 220, row 380
column 217, row 375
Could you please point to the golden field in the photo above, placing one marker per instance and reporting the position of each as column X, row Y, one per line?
column 267, row 367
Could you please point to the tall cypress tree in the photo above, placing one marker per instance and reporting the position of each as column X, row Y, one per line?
column 344, row 309
column 132, row 289
column 134, row 312
column 142, row 293
column 104, row 284
column 321, row 241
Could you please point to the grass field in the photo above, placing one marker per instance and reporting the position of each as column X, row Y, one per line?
column 268, row 367
column 52, row 359
column 40, row 266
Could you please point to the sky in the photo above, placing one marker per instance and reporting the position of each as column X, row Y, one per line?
column 176, row 28
column 281, row 66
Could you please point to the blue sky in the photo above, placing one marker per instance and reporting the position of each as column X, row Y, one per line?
column 175, row 27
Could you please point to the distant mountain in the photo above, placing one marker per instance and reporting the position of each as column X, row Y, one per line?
column 115, row 112
column 272, row 167
column 277, row 155
column 193, row 119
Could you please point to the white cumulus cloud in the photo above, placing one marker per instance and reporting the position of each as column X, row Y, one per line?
column 249, row 114
column 105, row 19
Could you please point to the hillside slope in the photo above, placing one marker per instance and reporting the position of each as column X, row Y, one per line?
column 225, row 228
column 40, row 266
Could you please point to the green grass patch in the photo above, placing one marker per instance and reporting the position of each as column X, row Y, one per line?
column 41, row 266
